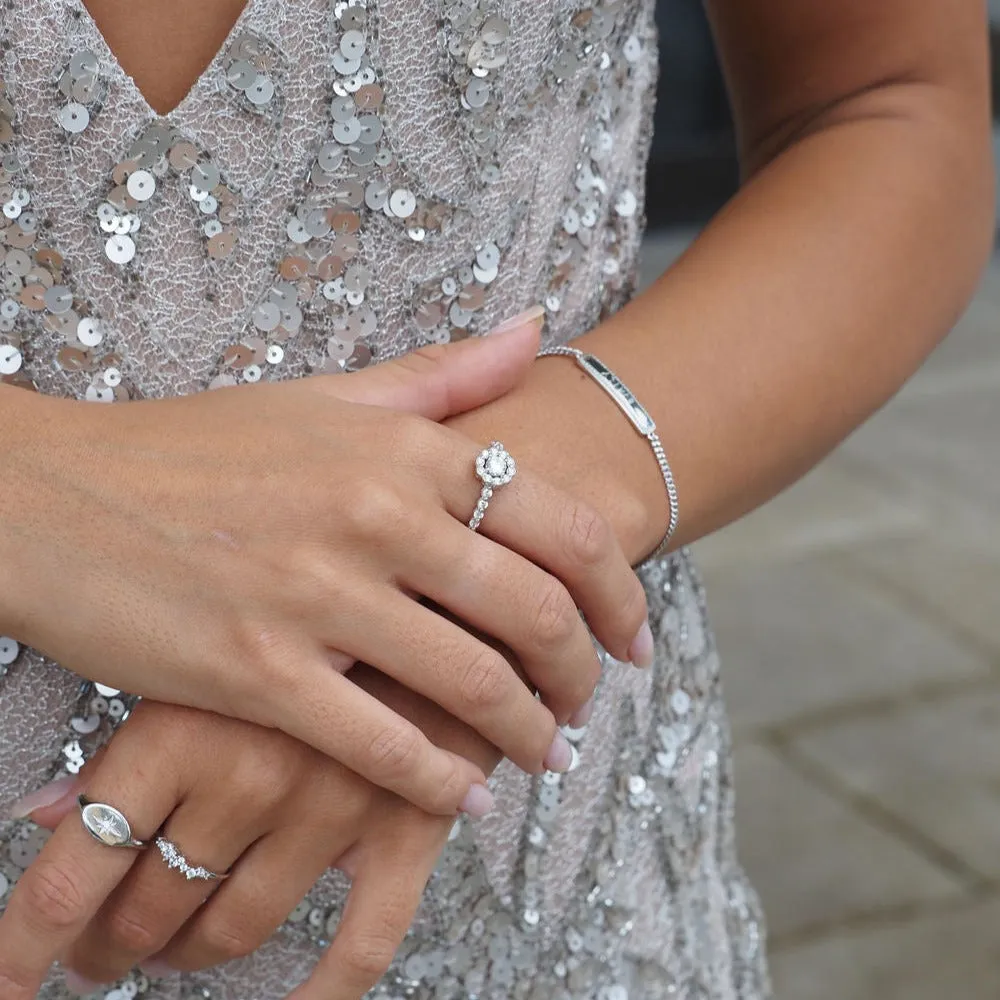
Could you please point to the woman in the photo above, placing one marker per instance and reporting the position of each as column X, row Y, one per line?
column 348, row 181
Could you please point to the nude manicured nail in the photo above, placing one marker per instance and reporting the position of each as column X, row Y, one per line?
column 77, row 984
column 641, row 650
column 478, row 801
column 47, row 795
column 560, row 755
column 156, row 969
column 532, row 315
column 582, row 715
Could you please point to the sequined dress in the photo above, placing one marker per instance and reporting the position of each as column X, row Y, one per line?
column 346, row 181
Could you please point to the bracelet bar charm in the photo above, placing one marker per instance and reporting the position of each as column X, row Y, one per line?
column 618, row 391
column 638, row 417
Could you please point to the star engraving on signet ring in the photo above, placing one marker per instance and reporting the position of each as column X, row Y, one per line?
column 107, row 825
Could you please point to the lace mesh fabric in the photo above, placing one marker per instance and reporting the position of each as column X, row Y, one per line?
column 618, row 880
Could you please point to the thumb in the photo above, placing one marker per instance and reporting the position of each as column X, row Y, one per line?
column 48, row 805
column 440, row 381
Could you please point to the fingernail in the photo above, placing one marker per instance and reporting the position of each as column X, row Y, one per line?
column 47, row 795
column 478, row 801
column 532, row 315
column 560, row 755
column 156, row 969
column 641, row 650
column 77, row 984
column 582, row 715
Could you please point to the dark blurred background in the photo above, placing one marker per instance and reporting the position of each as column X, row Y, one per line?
column 693, row 162
column 693, row 168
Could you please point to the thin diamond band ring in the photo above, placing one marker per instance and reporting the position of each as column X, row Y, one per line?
column 171, row 854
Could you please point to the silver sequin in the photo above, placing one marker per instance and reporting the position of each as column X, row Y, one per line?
column 120, row 249
column 74, row 117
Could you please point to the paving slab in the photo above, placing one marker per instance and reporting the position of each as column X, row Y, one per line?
column 951, row 955
column 935, row 766
column 951, row 575
column 801, row 638
column 838, row 506
column 812, row 859
column 943, row 446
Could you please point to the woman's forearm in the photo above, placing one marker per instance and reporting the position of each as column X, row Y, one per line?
column 799, row 311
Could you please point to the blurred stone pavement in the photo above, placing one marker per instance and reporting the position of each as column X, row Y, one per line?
column 858, row 616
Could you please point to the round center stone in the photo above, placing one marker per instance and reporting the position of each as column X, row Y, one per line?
column 497, row 464
column 106, row 824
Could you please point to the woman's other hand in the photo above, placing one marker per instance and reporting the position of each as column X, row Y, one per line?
column 230, row 795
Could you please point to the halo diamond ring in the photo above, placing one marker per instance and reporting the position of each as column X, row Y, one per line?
column 495, row 468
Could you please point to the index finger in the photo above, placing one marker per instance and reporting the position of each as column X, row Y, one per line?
column 70, row 879
column 331, row 713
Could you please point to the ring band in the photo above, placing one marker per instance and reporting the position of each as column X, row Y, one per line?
column 495, row 468
column 171, row 854
column 107, row 825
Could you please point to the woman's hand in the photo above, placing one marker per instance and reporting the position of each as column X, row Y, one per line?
column 213, row 550
column 230, row 795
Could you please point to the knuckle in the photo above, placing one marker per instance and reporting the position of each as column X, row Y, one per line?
column 338, row 802
column 395, row 751
column 131, row 933
column 588, row 535
column 486, row 679
column 449, row 791
column 414, row 437
column 53, row 896
column 555, row 617
column 224, row 941
column 375, row 509
column 268, row 655
column 306, row 574
column 259, row 776
column 369, row 955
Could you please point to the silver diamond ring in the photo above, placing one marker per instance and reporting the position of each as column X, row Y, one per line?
column 495, row 468
column 171, row 854
column 107, row 825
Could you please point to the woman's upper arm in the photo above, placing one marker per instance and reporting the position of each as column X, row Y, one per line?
column 790, row 62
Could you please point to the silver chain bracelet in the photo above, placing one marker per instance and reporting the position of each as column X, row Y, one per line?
column 640, row 420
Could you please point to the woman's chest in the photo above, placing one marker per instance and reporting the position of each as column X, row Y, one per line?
column 165, row 45
column 343, row 180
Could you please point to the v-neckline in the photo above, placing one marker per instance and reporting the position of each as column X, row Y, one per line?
column 107, row 56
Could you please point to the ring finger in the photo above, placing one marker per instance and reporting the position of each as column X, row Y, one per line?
column 268, row 882
column 468, row 678
column 566, row 537
column 510, row 598
column 163, row 889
